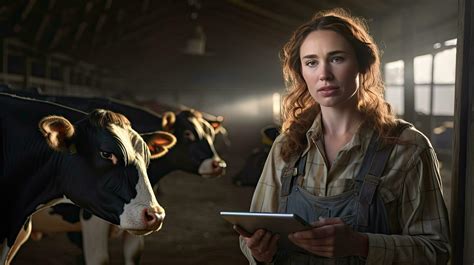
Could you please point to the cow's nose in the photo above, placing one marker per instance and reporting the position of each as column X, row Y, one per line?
column 154, row 217
column 218, row 167
column 219, row 164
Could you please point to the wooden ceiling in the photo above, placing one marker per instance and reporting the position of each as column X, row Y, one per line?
column 143, row 43
column 100, row 30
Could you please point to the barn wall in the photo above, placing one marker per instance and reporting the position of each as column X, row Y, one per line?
column 417, row 28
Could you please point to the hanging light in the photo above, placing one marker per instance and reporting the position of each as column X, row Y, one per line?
column 196, row 43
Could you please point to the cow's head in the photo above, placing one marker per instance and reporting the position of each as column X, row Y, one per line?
column 103, row 168
column 194, row 151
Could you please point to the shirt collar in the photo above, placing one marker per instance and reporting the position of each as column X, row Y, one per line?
column 314, row 133
column 360, row 139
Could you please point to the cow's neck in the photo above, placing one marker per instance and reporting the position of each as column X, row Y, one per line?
column 40, row 190
column 163, row 167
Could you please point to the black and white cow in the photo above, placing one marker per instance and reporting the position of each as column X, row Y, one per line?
column 194, row 152
column 195, row 133
column 96, row 161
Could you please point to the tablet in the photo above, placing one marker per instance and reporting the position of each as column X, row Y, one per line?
column 280, row 223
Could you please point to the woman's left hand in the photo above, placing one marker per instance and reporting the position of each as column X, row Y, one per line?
column 331, row 238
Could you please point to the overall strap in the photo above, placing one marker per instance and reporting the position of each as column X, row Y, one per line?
column 367, row 161
column 300, row 169
column 372, row 178
column 290, row 175
column 382, row 155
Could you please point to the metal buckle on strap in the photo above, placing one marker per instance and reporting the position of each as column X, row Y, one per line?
column 287, row 175
column 295, row 172
column 369, row 178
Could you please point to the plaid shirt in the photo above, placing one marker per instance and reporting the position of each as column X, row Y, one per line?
column 410, row 188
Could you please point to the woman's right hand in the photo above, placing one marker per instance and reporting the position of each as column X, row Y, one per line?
column 262, row 243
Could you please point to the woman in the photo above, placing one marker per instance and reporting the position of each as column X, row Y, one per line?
column 336, row 127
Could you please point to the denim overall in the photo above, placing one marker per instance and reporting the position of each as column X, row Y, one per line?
column 362, row 207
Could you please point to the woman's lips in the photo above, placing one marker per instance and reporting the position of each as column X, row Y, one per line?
column 327, row 91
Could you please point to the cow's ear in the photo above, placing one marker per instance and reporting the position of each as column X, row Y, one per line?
column 168, row 120
column 159, row 143
column 217, row 124
column 58, row 132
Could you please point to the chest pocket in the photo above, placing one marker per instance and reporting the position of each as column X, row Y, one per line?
column 342, row 205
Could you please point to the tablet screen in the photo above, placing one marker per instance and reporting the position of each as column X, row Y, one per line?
column 280, row 223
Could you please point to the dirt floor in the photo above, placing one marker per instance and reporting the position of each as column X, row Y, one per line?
column 193, row 231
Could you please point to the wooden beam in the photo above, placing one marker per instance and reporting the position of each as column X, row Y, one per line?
column 100, row 22
column 27, row 9
column 44, row 23
column 58, row 35
column 24, row 15
column 81, row 28
column 265, row 12
column 80, row 31
column 462, row 201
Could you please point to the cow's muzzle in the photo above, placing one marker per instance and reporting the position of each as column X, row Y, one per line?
column 154, row 218
column 212, row 168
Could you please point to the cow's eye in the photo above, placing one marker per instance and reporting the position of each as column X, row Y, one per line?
column 189, row 135
column 106, row 155
column 109, row 156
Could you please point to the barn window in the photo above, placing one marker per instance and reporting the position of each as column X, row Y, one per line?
column 444, row 76
column 394, row 85
column 422, row 69
column 434, row 80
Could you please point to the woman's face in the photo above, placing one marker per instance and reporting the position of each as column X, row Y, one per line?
column 330, row 69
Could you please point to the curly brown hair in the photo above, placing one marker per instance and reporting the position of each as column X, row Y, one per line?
column 300, row 109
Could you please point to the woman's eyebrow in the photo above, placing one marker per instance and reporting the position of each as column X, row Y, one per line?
column 336, row 52
column 313, row 56
column 310, row 56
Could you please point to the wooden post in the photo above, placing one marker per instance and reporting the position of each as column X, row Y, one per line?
column 462, row 217
column 66, row 77
column 4, row 58
column 27, row 77
column 408, row 69
column 47, row 71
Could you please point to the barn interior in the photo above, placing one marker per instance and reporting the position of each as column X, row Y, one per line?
column 220, row 57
